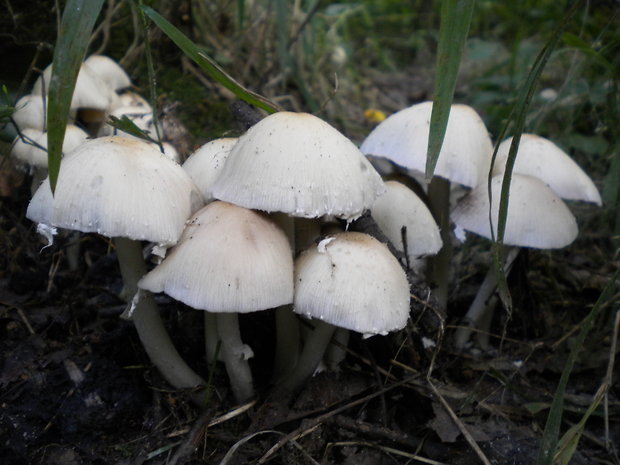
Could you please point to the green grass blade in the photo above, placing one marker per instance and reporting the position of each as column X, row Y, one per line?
column 77, row 24
column 520, row 113
column 152, row 79
column 549, row 443
column 455, row 19
column 207, row 64
column 126, row 125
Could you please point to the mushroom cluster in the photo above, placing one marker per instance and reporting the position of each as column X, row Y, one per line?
column 295, row 169
column 537, row 217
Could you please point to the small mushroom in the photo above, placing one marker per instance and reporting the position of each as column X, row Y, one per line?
column 351, row 281
column 537, row 218
column 229, row 260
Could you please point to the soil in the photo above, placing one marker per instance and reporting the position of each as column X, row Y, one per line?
column 77, row 388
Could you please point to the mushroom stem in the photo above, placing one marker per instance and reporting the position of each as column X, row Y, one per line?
column 235, row 355
column 439, row 198
column 480, row 311
column 148, row 323
column 287, row 327
column 336, row 352
column 211, row 336
column 311, row 355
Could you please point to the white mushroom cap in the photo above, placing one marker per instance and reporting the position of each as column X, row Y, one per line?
column 465, row 156
column 298, row 164
column 109, row 71
column 31, row 155
column 118, row 187
column 352, row 280
column 90, row 91
column 206, row 163
column 541, row 158
column 229, row 259
column 29, row 112
column 399, row 207
column 536, row 218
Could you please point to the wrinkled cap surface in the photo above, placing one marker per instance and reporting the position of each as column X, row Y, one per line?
column 117, row 186
column 541, row 158
column 351, row 280
column 537, row 217
column 466, row 152
column 229, row 259
column 298, row 164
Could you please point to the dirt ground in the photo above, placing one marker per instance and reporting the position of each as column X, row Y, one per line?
column 77, row 388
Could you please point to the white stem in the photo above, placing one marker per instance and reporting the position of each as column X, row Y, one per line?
column 481, row 310
column 311, row 355
column 147, row 320
column 287, row 325
column 335, row 354
column 235, row 355
column 211, row 337
column 439, row 198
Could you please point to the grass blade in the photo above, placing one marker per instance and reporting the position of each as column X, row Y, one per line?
column 77, row 24
column 455, row 19
column 549, row 443
column 207, row 64
column 519, row 112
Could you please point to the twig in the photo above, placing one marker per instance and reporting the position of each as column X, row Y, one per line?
column 460, row 425
column 312, row 424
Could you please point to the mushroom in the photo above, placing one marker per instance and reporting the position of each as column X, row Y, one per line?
column 299, row 165
column 108, row 71
column 352, row 281
column 465, row 158
column 206, row 163
column 30, row 150
column 125, row 189
column 30, row 112
column 406, row 221
column 537, row 218
column 541, row 158
column 229, row 260
column 92, row 96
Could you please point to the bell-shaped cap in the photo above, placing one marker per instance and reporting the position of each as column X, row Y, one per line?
column 90, row 91
column 351, row 280
column 206, row 163
column 108, row 71
column 541, row 158
column 298, row 164
column 29, row 154
column 118, row 187
column 536, row 218
column 229, row 259
column 466, row 152
column 30, row 112
column 401, row 208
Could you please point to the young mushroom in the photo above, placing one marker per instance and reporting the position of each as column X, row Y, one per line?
column 407, row 222
column 125, row 189
column 537, row 218
column 229, row 260
column 351, row 281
